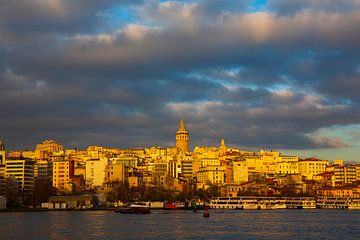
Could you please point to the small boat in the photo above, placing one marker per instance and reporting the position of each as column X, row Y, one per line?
column 173, row 206
column 134, row 208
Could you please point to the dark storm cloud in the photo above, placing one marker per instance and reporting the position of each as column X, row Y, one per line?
column 253, row 78
column 294, row 6
column 60, row 16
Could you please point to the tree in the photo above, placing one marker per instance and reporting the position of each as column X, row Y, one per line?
column 42, row 191
column 213, row 191
column 124, row 194
column 12, row 193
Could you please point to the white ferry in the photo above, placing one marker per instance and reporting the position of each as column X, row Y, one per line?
column 271, row 204
column 354, row 206
column 332, row 202
column 247, row 203
column 300, row 202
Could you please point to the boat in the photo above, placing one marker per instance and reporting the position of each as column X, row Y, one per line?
column 135, row 208
column 272, row 204
column 300, row 202
column 247, row 203
column 250, row 204
column 354, row 204
column 174, row 206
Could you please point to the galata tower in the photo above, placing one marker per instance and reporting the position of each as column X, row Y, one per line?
column 182, row 137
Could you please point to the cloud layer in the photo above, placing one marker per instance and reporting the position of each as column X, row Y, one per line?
column 121, row 73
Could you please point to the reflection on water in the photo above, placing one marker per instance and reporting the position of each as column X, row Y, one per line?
column 231, row 224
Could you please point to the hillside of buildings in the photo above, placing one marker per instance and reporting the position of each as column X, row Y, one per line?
column 30, row 177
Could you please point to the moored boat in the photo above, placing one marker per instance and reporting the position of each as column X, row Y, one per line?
column 174, row 206
column 354, row 204
column 134, row 208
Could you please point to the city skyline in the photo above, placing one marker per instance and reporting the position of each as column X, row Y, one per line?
column 275, row 74
column 182, row 143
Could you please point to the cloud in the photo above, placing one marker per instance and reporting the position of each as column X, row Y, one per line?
column 327, row 141
column 294, row 6
column 254, row 77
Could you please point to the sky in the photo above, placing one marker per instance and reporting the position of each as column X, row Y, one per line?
column 272, row 74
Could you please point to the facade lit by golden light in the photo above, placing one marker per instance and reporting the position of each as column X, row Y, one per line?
column 182, row 137
column 173, row 167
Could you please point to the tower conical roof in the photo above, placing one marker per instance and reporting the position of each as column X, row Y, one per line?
column 182, row 125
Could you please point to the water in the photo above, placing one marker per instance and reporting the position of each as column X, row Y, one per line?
column 222, row 224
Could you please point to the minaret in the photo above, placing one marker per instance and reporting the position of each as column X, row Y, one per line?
column 222, row 148
column 182, row 137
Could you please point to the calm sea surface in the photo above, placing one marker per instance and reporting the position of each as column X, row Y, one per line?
column 222, row 224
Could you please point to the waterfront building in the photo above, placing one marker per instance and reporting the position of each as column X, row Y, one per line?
column 346, row 174
column 73, row 202
column 22, row 169
column 95, row 172
column 312, row 166
column 43, row 170
column 182, row 137
column 63, row 171
column 335, row 192
column 115, row 172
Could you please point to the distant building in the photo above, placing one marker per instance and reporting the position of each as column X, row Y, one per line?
column 63, row 171
column 211, row 174
column 239, row 173
column 2, row 168
column 95, row 172
column 43, row 170
column 2, row 153
column 74, row 202
column 335, row 192
column 312, row 166
column 287, row 167
column 182, row 137
column 186, row 167
column 23, row 170
column 346, row 174
column 115, row 173
column 45, row 148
